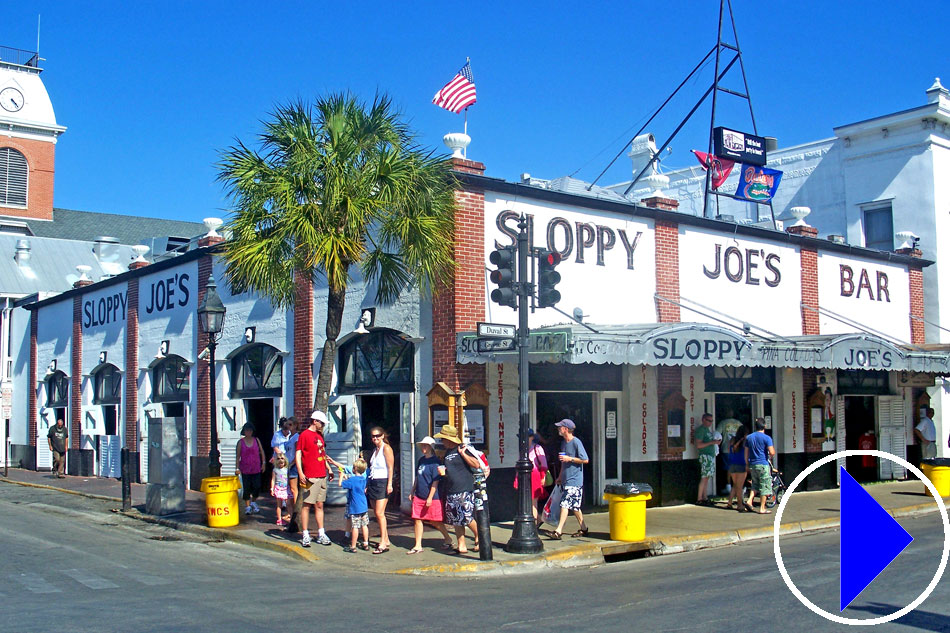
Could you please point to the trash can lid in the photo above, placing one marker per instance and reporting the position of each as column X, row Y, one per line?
column 628, row 489
column 937, row 461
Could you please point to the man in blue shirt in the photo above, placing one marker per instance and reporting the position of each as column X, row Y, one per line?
column 573, row 457
column 758, row 453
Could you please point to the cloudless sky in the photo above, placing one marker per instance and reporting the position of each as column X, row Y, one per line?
column 152, row 92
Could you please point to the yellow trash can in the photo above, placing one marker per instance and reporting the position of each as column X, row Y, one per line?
column 221, row 500
column 938, row 472
column 628, row 516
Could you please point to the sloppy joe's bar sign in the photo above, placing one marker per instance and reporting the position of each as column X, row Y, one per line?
column 873, row 293
column 604, row 257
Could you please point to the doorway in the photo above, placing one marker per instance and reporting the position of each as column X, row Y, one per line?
column 382, row 411
column 858, row 422
column 550, row 408
column 731, row 408
column 260, row 413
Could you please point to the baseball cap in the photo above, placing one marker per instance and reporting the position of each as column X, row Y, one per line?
column 567, row 424
column 319, row 416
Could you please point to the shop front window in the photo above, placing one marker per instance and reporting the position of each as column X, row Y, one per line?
column 257, row 372
column 108, row 385
column 378, row 361
column 864, row 382
column 57, row 390
column 170, row 380
column 740, row 379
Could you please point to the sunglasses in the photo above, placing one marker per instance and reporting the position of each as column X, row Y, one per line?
column 375, row 435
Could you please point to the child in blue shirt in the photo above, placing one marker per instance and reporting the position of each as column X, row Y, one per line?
column 356, row 504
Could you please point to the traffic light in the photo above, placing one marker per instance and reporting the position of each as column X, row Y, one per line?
column 505, row 258
column 548, row 278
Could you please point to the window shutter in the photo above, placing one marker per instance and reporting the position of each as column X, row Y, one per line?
column 14, row 175
column 839, row 435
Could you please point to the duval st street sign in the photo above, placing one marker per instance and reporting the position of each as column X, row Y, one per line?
column 496, row 330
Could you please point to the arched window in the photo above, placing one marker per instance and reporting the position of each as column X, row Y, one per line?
column 170, row 380
column 379, row 361
column 57, row 390
column 257, row 371
column 14, row 174
column 108, row 385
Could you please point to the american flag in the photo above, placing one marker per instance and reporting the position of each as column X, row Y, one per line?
column 459, row 93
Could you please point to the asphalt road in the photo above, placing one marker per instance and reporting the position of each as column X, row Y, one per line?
column 67, row 564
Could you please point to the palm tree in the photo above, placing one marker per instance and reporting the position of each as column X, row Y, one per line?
column 337, row 184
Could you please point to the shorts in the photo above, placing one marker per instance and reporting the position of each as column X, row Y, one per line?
column 432, row 513
column 317, row 492
column 929, row 450
column 292, row 472
column 460, row 508
column 735, row 469
column 251, row 482
column 707, row 466
column 359, row 520
column 761, row 478
column 376, row 490
column 571, row 497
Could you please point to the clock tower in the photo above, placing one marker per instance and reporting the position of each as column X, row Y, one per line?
column 28, row 134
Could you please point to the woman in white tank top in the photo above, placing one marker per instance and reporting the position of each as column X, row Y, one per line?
column 379, row 484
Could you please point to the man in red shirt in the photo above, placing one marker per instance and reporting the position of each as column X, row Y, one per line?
column 312, row 472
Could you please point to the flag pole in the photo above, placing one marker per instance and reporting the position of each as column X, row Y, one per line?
column 465, row 130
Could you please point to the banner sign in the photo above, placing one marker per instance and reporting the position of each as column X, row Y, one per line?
column 721, row 167
column 758, row 184
column 739, row 146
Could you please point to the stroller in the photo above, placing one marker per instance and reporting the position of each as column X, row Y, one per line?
column 778, row 490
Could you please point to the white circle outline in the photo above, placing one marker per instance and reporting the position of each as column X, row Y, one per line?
column 884, row 618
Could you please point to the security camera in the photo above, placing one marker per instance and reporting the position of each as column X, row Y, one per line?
column 204, row 354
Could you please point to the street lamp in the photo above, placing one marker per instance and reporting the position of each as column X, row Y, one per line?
column 211, row 313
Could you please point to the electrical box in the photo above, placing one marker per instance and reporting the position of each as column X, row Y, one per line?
column 165, row 492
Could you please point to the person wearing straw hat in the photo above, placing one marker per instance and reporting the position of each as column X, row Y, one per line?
column 426, row 504
column 458, row 472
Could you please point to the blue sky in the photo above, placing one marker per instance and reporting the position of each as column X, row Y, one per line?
column 151, row 92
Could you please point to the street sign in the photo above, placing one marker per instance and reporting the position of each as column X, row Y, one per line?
column 483, row 345
column 496, row 330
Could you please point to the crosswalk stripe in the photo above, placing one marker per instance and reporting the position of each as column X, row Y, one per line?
column 35, row 583
column 90, row 580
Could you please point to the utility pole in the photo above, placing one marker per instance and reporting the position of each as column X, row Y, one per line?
column 524, row 536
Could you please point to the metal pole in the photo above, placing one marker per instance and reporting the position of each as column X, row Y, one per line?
column 214, row 455
column 712, row 116
column 126, row 480
column 524, row 534
column 6, row 448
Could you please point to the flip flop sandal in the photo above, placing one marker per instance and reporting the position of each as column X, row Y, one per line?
column 414, row 550
column 582, row 532
column 446, row 547
column 555, row 536
column 381, row 550
column 461, row 552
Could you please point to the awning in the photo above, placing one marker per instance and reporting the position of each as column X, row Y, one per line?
column 704, row 345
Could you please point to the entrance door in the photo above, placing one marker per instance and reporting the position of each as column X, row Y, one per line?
column 230, row 421
column 731, row 408
column 609, row 433
column 552, row 407
column 859, row 418
column 110, row 443
column 383, row 411
column 46, row 419
column 260, row 413
column 891, row 436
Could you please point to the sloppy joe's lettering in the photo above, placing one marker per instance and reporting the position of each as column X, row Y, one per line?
column 739, row 266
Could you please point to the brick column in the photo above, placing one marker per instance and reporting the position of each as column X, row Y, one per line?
column 667, row 271
column 132, row 366
column 75, row 377
column 31, row 385
column 203, row 421
column 809, row 267
column 916, row 275
column 459, row 305
column 303, row 347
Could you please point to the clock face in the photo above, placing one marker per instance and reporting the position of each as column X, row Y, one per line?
column 11, row 99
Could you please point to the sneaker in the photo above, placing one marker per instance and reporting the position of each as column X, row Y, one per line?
column 280, row 521
column 255, row 508
column 247, row 509
column 323, row 539
column 305, row 541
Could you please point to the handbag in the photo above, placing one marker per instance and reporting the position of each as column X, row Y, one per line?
column 548, row 479
column 552, row 509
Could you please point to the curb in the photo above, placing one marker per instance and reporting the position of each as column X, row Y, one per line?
column 583, row 555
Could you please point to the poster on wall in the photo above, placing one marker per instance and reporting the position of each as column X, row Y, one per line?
column 475, row 427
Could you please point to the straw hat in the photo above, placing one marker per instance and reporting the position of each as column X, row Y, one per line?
column 449, row 432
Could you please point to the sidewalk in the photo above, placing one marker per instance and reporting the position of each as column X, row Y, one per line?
column 669, row 529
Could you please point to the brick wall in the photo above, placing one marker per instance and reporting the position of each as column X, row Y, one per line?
column 667, row 271
column 40, row 157
column 204, row 402
column 810, row 324
column 917, row 306
column 459, row 305
column 668, row 380
column 31, row 385
column 132, row 365
column 75, row 375
column 303, row 347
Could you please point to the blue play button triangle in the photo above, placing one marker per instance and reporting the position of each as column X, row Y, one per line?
column 870, row 539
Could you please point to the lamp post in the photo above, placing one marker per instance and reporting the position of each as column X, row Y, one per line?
column 211, row 313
